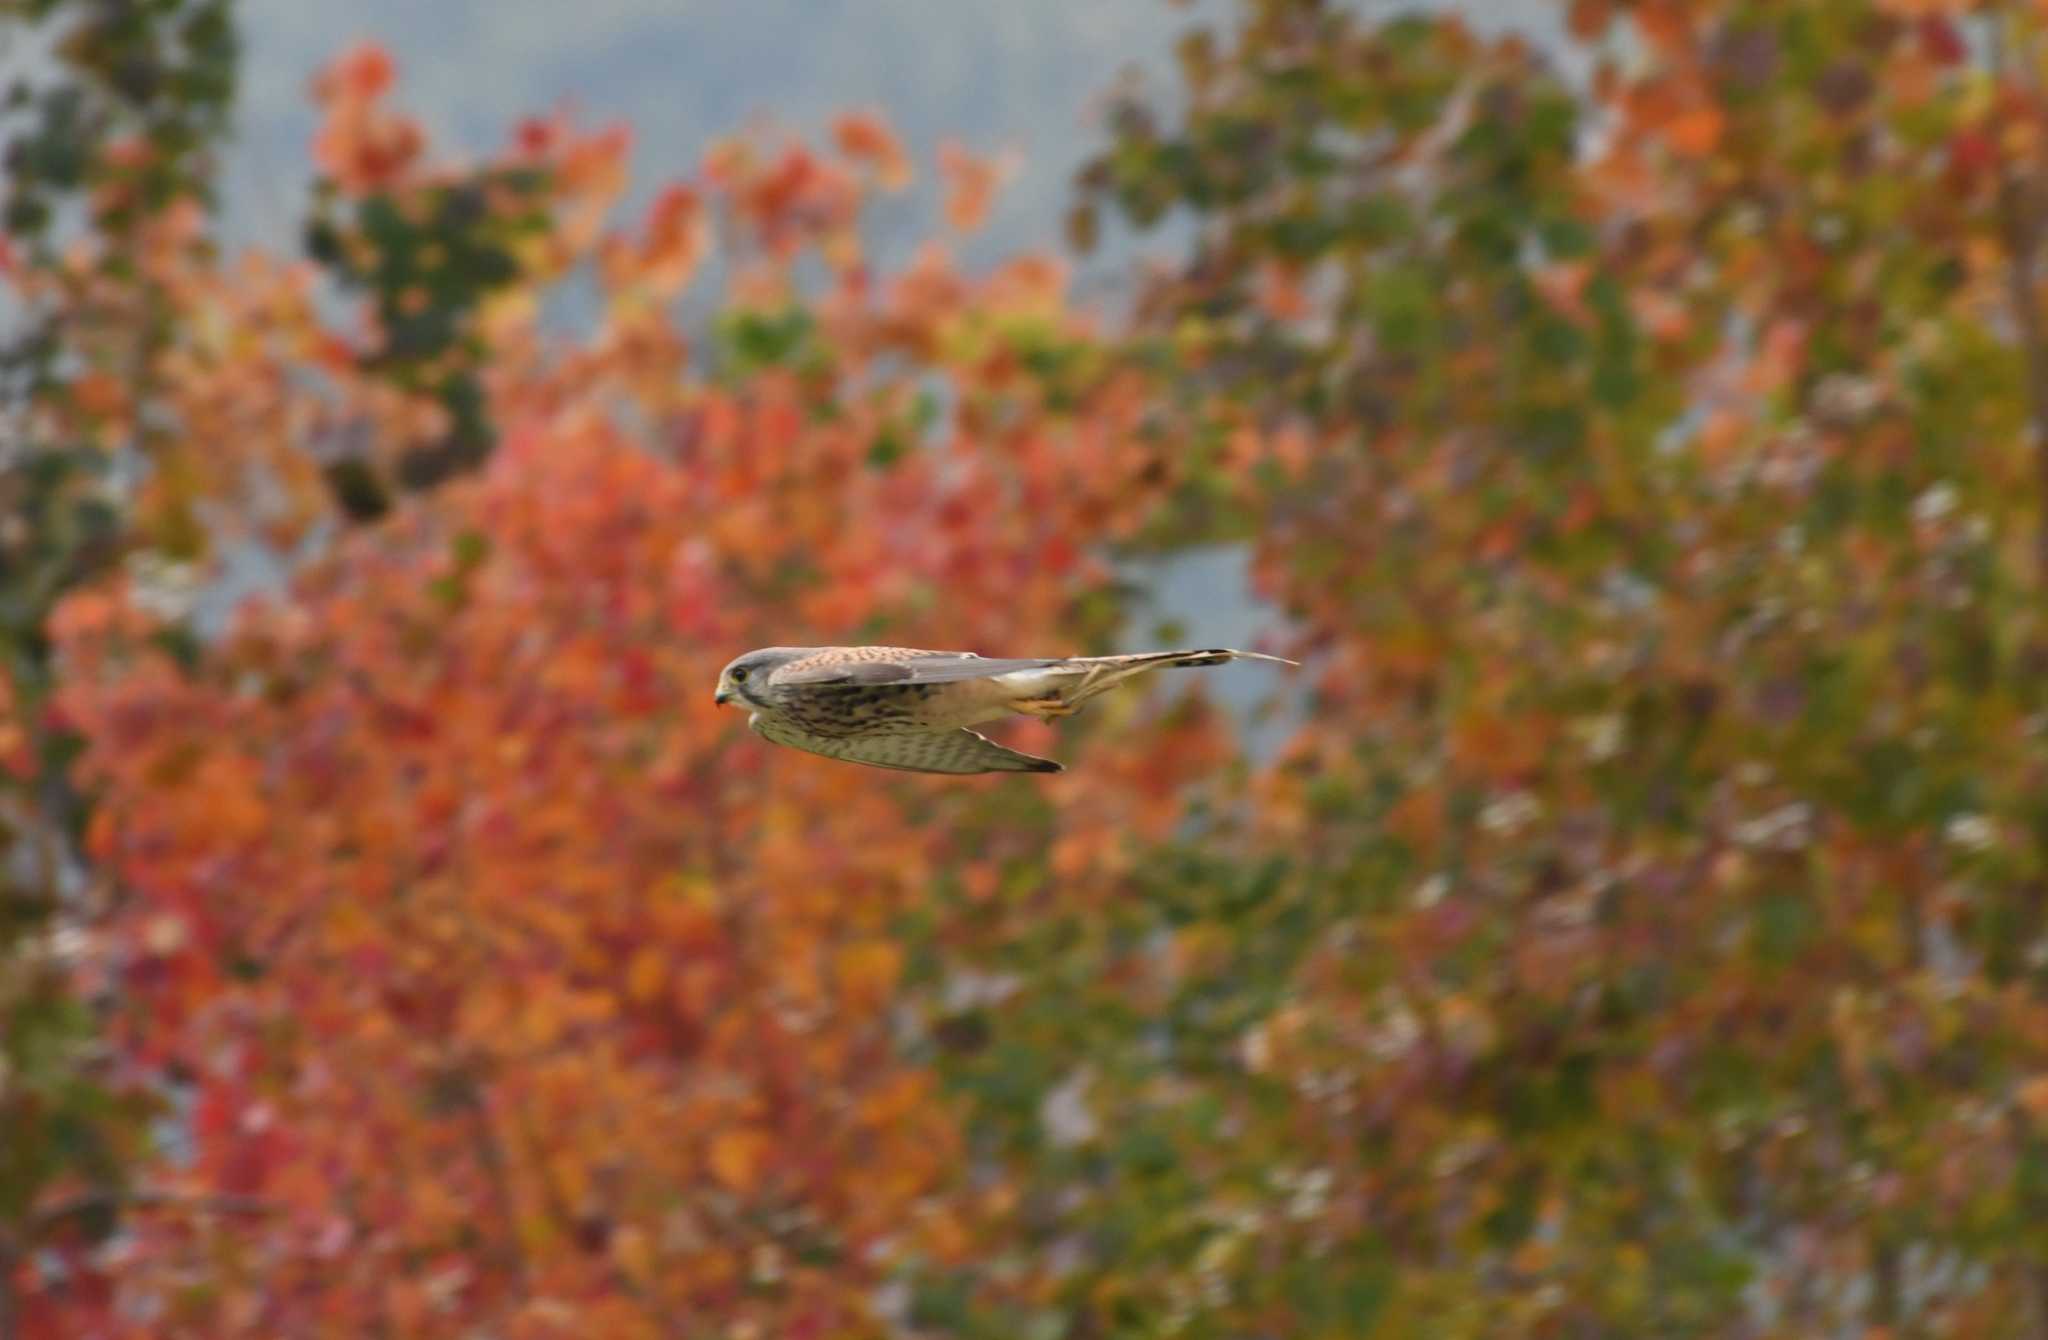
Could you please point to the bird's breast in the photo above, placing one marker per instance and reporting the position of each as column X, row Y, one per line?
column 845, row 710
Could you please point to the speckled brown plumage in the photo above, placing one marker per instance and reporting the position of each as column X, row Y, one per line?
column 844, row 710
column 910, row 709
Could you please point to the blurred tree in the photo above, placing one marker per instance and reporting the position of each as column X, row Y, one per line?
column 109, row 126
column 1648, row 938
column 428, row 251
column 468, row 936
column 162, row 410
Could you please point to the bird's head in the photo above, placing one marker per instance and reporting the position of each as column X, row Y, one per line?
column 744, row 677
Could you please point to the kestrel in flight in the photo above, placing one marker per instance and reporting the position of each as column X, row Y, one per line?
column 899, row 707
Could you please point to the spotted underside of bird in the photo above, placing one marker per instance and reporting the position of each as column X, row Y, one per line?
column 914, row 710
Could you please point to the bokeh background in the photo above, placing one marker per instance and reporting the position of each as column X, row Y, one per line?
column 1632, row 920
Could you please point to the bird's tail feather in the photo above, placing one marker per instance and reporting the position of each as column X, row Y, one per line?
column 1106, row 672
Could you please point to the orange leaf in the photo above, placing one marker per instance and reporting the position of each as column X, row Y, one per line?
column 2033, row 1099
column 99, row 395
column 1417, row 818
column 1281, row 294
column 633, row 1253
column 1589, row 18
column 739, row 1155
column 1665, row 25
column 868, row 970
column 647, row 974
column 1500, row 743
column 971, row 184
column 361, row 73
column 866, row 138
column 1695, row 132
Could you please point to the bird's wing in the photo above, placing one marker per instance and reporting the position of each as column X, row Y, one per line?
column 904, row 666
column 945, row 751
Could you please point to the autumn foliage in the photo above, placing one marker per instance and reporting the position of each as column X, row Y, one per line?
column 1644, row 931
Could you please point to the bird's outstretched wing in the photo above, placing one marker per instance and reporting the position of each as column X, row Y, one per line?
column 942, row 751
column 909, row 665
column 903, row 666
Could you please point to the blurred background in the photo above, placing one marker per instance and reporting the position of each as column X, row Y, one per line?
column 1031, row 86
column 1035, row 82
column 1632, row 920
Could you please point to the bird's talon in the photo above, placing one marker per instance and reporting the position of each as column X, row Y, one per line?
column 1048, row 708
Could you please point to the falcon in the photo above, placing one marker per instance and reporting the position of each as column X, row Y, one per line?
column 913, row 710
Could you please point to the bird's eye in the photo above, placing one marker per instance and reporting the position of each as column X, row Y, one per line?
column 739, row 675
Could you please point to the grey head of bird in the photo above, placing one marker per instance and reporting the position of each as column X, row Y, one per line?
column 745, row 677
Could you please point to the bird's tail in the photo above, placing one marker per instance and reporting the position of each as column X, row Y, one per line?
column 1102, row 673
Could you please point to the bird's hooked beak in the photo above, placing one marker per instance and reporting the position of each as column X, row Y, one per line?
column 722, row 696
